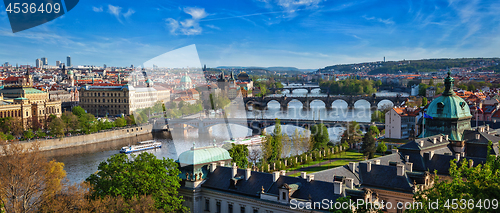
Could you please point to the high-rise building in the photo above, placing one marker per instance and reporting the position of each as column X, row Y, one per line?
column 58, row 63
column 45, row 61
column 38, row 63
column 68, row 61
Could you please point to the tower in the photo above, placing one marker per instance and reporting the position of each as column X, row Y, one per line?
column 68, row 61
column 448, row 114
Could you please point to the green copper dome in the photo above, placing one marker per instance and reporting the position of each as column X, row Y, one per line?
column 203, row 155
column 185, row 79
column 450, row 114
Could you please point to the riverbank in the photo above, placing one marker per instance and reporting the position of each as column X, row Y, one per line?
column 81, row 140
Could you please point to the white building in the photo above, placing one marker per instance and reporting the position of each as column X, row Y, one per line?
column 399, row 122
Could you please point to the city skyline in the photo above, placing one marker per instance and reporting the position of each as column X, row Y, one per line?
column 303, row 34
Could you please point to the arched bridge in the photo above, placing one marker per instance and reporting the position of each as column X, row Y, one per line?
column 290, row 89
column 262, row 102
column 257, row 125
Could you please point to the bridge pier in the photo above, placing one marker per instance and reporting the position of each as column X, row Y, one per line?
column 309, row 90
column 203, row 130
column 306, row 105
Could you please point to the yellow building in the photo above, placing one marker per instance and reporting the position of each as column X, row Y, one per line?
column 27, row 103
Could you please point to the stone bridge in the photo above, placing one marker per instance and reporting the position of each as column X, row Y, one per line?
column 292, row 88
column 257, row 125
column 261, row 102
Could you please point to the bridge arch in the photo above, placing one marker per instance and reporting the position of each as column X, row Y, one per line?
column 385, row 103
column 339, row 103
column 237, row 130
column 274, row 104
column 287, row 102
column 362, row 104
column 318, row 102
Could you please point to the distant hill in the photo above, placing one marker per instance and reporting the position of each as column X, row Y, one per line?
column 413, row 66
column 273, row 69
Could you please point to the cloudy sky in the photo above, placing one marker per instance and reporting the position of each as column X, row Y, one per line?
column 300, row 33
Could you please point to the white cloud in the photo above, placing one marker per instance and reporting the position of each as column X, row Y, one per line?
column 117, row 12
column 384, row 21
column 188, row 26
column 97, row 9
column 128, row 13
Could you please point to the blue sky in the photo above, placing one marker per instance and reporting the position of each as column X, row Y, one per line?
column 301, row 33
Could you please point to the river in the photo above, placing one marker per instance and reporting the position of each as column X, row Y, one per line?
column 82, row 161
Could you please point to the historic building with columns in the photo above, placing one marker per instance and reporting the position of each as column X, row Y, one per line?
column 20, row 100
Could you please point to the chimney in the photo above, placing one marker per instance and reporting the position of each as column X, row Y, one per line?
column 440, row 139
column 248, row 173
column 213, row 166
column 478, row 136
column 352, row 166
column 401, row 169
column 431, row 154
column 407, row 158
column 409, row 166
column 368, row 166
column 463, row 154
column 421, row 143
column 337, row 187
column 310, row 178
column 349, row 183
column 283, row 172
column 221, row 163
column 377, row 162
column 303, row 175
column 235, row 170
column 457, row 156
column 446, row 137
column 276, row 175
column 434, row 140
column 471, row 163
column 487, row 128
column 395, row 151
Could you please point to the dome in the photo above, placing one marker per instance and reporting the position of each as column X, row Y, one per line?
column 452, row 107
column 70, row 72
column 447, row 114
column 185, row 79
column 149, row 81
column 242, row 76
column 203, row 155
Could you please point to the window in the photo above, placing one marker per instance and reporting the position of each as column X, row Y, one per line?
column 207, row 204
column 255, row 210
column 283, row 196
column 230, row 208
column 242, row 209
column 218, row 207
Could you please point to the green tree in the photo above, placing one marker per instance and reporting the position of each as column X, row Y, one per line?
column 277, row 143
column 466, row 183
column 28, row 134
column 239, row 154
column 120, row 122
column 368, row 146
column 424, row 101
column 378, row 116
column 381, row 148
column 71, row 121
column 374, row 130
column 431, row 82
column 40, row 133
column 143, row 174
column 78, row 111
column 57, row 126
column 319, row 135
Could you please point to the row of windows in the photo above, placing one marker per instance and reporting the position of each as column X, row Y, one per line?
column 104, row 100
column 230, row 207
column 16, row 113
column 98, row 94
column 105, row 106
column 110, row 111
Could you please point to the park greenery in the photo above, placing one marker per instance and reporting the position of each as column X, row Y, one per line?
column 427, row 65
column 143, row 174
column 320, row 136
column 177, row 110
column 351, row 87
column 475, row 85
column 351, row 135
column 368, row 146
column 381, row 148
column 239, row 154
column 469, row 186
column 265, row 85
column 31, row 183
